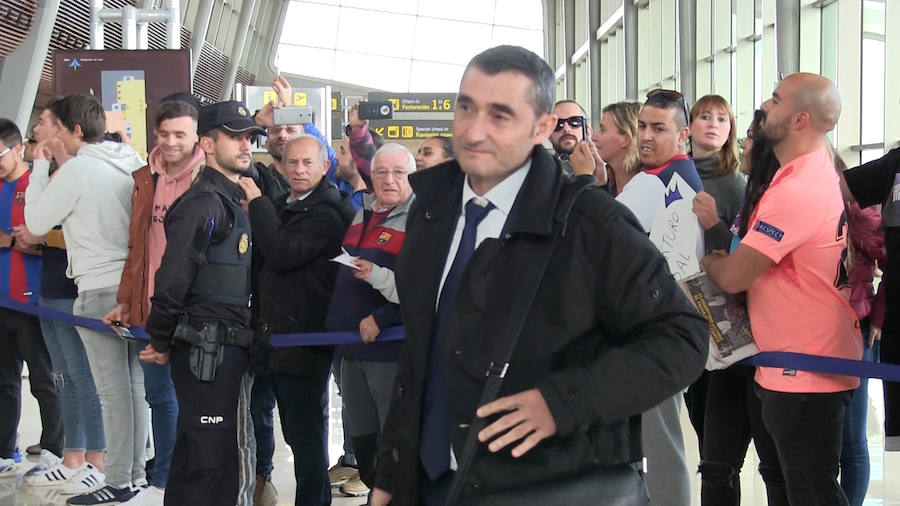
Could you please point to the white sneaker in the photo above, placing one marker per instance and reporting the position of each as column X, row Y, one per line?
column 36, row 475
column 87, row 479
column 56, row 476
column 9, row 468
column 147, row 496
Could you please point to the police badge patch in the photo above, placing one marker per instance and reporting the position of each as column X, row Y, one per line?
column 383, row 238
column 243, row 243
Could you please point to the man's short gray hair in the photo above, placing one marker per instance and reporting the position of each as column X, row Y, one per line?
column 323, row 153
column 394, row 147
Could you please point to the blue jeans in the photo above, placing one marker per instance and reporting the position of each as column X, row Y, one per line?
column 262, row 406
column 300, row 405
column 855, row 446
column 82, row 421
column 160, row 394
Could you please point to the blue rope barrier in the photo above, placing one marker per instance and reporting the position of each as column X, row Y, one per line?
column 829, row 365
column 275, row 340
column 781, row 360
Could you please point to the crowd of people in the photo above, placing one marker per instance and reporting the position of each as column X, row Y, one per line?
column 548, row 349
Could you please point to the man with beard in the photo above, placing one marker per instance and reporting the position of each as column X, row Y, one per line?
column 577, row 155
column 200, row 311
column 790, row 263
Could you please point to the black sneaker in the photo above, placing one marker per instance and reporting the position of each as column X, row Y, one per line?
column 106, row 495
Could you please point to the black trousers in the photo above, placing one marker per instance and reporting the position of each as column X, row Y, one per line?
column 890, row 354
column 733, row 416
column 300, row 406
column 807, row 430
column 21, row 339
column 695, row 402
column 204, row 466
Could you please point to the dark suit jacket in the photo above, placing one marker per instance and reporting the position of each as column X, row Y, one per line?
column 608, row 336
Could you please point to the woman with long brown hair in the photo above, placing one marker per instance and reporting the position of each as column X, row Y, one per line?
column 714, row 151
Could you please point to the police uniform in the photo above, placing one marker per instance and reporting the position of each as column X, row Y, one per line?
column 200, row 314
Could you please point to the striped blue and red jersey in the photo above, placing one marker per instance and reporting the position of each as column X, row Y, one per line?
column 21, row 272
column 376, row 237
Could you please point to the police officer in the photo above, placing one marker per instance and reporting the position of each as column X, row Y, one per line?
column 200, row 310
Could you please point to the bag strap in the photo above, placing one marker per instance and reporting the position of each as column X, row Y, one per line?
column 526, row 293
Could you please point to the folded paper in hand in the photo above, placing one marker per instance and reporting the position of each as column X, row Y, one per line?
column 346, row 259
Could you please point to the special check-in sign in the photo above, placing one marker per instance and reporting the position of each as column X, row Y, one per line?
column 417, row 116
column 412, row 129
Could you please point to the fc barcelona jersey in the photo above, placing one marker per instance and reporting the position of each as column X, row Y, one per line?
column 19, row 273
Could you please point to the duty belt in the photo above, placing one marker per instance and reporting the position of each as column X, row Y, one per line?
column 188, row 331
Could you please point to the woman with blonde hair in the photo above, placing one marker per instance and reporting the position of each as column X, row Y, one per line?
column 616, row 141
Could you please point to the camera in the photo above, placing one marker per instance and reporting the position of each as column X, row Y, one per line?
column 112, row 136
column 375, row 110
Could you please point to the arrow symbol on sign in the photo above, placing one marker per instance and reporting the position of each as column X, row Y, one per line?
column 380, row 131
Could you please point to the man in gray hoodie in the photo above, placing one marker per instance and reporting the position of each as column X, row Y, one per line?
column 90, row 195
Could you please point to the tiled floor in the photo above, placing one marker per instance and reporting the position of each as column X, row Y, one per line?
column 884, row 487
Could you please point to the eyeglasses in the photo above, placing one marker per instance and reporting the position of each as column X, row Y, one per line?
column 671, row 96
column 3, row 153
column 574, row 122
column 384, row 173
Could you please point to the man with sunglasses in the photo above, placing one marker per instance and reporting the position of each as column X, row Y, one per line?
column 571, row 130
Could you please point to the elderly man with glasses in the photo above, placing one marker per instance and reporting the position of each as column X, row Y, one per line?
column 365, row 300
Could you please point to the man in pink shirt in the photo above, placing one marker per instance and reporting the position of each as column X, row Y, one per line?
column 172, row 166
column 790, row 263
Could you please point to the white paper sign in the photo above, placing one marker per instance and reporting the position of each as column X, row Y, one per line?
column 676, row 231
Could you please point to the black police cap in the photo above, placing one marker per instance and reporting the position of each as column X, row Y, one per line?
column 230, row 116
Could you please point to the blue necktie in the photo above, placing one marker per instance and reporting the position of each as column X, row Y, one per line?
column 434, row 449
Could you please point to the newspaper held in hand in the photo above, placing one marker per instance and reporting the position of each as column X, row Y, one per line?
column 730, row 338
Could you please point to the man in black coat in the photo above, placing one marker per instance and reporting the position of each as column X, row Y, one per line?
column 608, row 335
column 297, row 234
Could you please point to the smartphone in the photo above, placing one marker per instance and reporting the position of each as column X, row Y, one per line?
column 293, row 116
column 122, row 331
column 584, row 131
column 376, row 110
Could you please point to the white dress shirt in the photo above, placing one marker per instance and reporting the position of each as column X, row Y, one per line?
column 503, row 196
